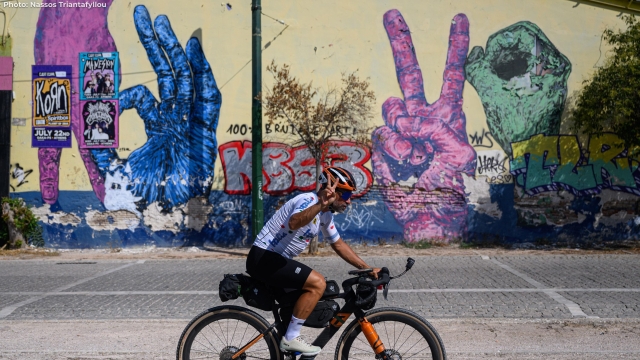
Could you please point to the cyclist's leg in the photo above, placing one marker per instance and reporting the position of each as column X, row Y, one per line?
column 276, row 270
column 313, row 289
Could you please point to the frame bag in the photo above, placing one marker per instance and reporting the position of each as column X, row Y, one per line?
column 319, row 317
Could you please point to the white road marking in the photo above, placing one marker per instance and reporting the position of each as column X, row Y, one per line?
column 199, row 292
column 6, row 311
column 573, row 307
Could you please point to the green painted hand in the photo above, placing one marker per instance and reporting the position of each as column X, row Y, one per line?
column 522, row 82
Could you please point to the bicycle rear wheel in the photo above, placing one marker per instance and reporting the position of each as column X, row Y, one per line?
column 405, row 335
column 220, row 332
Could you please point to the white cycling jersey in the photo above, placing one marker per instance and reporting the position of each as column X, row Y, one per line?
column 277, row 237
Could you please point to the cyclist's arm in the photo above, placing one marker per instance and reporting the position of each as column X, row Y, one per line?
column 298, row 220
column 347, row 254
column 324, row 198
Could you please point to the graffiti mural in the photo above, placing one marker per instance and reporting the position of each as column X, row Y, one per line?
column 286, row 169
column 521, row 79
column 422, row 145
column 183, row 122
column 549, row 163
column 511, row 175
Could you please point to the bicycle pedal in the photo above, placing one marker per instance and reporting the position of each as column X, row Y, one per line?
column 307, row 357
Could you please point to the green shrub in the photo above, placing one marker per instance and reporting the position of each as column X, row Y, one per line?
column 26, row 223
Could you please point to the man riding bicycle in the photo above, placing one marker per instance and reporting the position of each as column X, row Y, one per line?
column 287, row 234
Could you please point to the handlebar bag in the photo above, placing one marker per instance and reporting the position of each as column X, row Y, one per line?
column 368, row 293
column 324, row 311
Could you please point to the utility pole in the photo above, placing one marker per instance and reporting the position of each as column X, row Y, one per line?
column 257, row 212
column 6, row 97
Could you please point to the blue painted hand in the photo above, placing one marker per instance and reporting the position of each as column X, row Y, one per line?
column 177, row 161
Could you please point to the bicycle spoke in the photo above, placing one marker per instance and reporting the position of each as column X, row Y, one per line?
column 234, row 330
column 386, row 332
column 414, row 344
column 205, row 346
column 399, row 335
column 366, row 350
column 215, row 333
column 226, row 342
column 394, row 336
column 366, row 344
column 243, row 334
column 408, row 337
column 411, row 356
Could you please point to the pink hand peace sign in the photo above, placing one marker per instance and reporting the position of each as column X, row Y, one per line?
column 425, row 145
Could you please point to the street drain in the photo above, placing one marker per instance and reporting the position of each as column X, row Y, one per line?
column 76, row 263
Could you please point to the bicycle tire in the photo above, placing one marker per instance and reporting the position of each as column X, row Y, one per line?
column 353, row 332
column 220, row 343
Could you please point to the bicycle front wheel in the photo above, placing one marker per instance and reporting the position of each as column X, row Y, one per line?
column 220, row 332
column 405, row 335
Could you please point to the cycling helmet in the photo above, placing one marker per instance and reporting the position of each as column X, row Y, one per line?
column 343, row 177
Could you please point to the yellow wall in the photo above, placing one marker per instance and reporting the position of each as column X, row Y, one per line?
column 348, row 36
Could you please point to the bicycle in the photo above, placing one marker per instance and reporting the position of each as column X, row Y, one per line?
column 232, row 332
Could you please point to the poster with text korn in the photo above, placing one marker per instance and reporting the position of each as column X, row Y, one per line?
column 99, row 124
column 98, row 74
column 51, row 98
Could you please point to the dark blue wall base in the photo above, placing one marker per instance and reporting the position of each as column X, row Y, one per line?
column 364, row 223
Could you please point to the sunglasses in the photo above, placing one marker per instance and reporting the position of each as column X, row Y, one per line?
column 345, row 195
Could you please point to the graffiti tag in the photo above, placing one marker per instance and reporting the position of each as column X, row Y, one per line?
column 549, row 163
column 241, row 129
column 286, row 169
column 360, row 217
column 478, row 140
column 19, row 174
column 491, row 163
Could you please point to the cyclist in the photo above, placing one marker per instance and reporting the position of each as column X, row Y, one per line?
column 287, row 234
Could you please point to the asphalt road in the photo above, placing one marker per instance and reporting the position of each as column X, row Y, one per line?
column 526, row 307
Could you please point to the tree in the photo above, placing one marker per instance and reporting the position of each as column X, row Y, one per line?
column 610, row 100
column 320, row 115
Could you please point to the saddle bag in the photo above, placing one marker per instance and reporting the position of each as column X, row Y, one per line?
column 324, row 311
column 253, row 292
column 229, row 288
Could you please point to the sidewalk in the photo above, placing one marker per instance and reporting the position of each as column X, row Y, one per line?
column 395, row 250
column 580, row 339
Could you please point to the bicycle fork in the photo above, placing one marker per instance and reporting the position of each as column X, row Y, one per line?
column 372, row 337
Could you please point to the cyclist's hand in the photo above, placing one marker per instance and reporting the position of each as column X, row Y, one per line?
column 327, row 195
column 374, row 273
